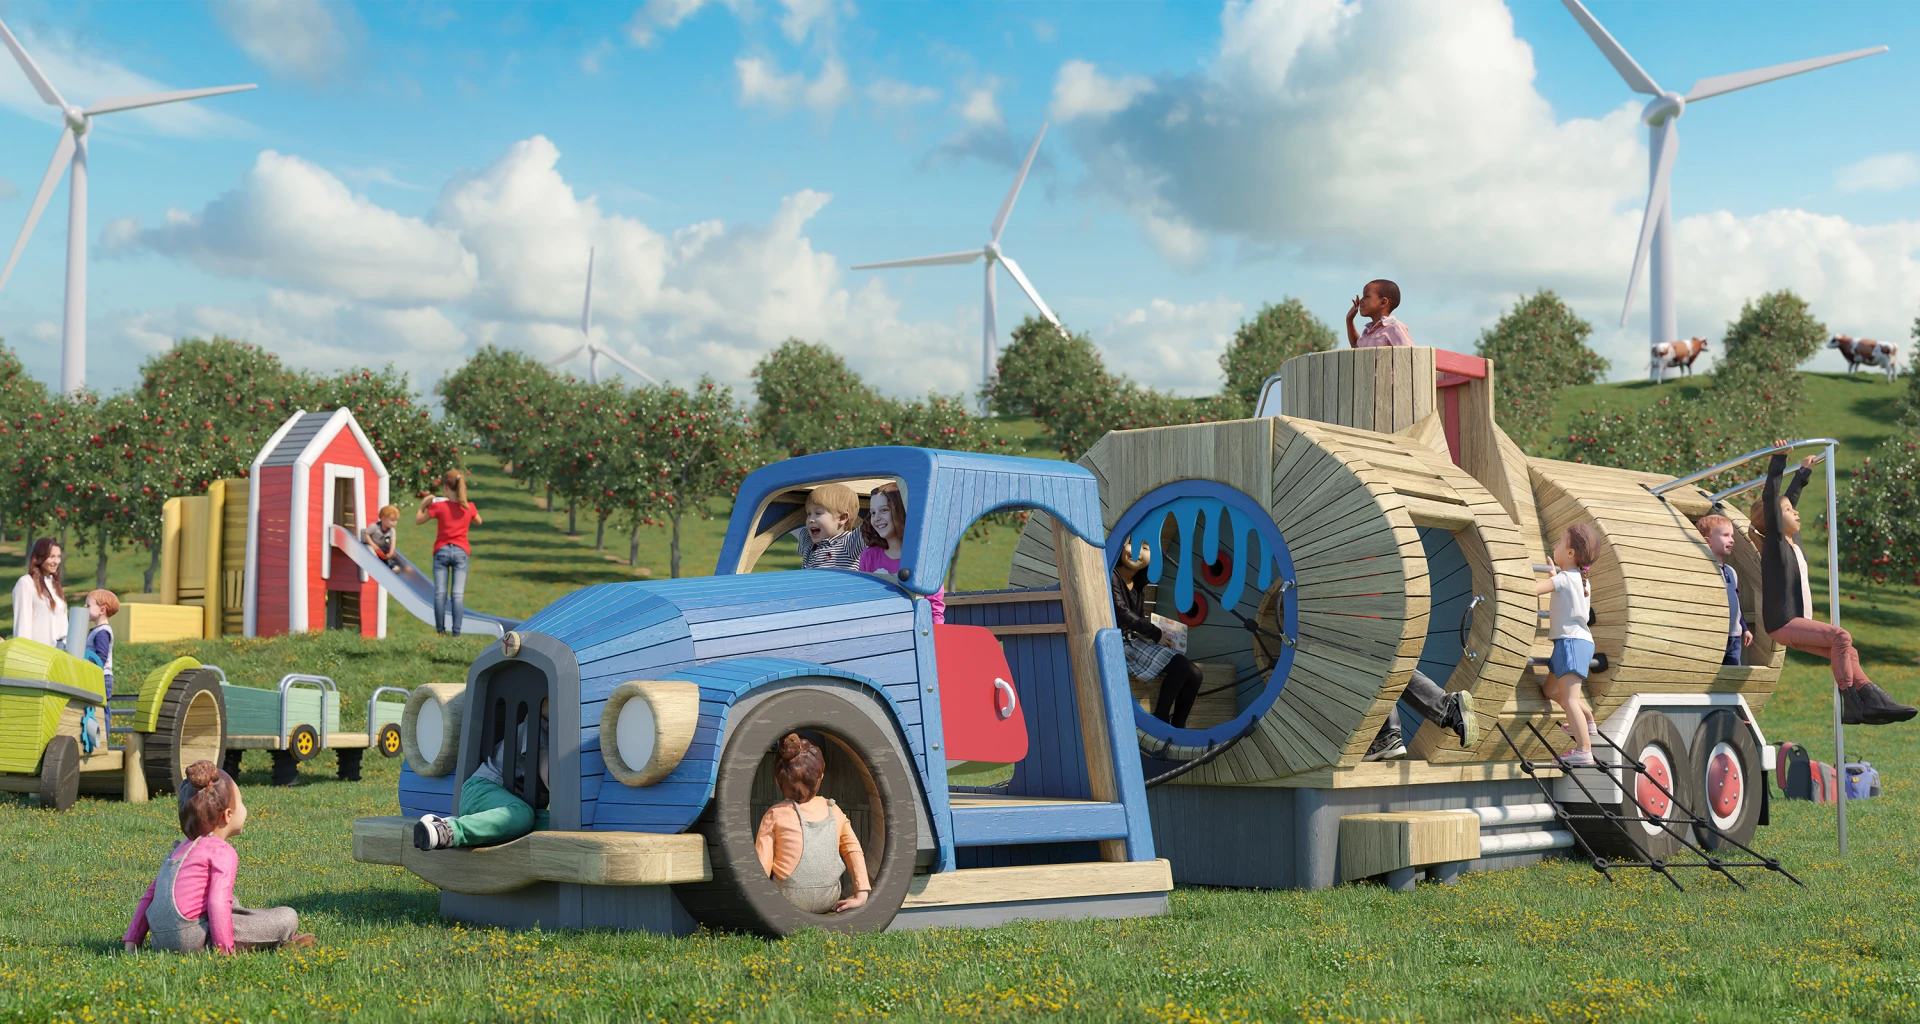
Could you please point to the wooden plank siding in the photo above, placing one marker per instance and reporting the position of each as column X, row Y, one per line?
column 276, row 507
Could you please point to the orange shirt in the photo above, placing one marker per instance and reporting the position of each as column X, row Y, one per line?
column 778, row 842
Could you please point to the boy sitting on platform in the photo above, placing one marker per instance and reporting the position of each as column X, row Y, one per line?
column 1717, row 531
column 1376, row 302
column 831, row 539
column 489, row 813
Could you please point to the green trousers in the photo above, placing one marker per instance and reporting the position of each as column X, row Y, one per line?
column 489, row 815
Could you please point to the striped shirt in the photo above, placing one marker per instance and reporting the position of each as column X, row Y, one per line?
column 1385, row 332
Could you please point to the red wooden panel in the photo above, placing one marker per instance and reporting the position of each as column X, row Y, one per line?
column 1450, row 420
column 1446, row 361
column 980, row 712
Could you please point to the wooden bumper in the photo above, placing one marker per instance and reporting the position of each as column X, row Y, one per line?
column 1373, row 844
column 588, row 858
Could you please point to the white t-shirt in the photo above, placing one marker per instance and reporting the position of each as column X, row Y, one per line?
column 1806, row 583
column 36, row 619
column 1569, row 607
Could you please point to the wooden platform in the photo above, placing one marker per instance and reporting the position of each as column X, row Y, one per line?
column 335, row 741
column 1403, row 772
column 587, row 858
column 1375, row 844
column 1039, row 882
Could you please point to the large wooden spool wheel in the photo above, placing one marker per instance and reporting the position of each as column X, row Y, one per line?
column 191, row 726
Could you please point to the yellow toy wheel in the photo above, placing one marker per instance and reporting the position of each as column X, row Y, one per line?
column 389, row 740
column 303, row 742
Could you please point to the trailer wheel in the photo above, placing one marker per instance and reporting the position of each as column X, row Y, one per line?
column 1727, row 779
column 740, row 896
column 1657, row 743
column 60, row 773
column 388, row 740
column 303, row 742
column 191, row 726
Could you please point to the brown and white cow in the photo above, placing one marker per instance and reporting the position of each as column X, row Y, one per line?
column 1669, row 354
column 1867, row 352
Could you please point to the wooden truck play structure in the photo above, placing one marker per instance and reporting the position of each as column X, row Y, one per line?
column 278, row 551
column 667, row 698
column 175, row 717
column 1384, row 522
column 301, row 717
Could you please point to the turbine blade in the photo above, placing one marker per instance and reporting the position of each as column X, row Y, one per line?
column 1741, row 79
column 1006, row 205
column 62, row 156
column 1657, row 198
column 1027, row 286
column 154, row 99
column 576, row 350
column 586, row 307
column 925, row 261
column 622, row 360
column 1637, row 80
column 990, row 330
column 40, row 84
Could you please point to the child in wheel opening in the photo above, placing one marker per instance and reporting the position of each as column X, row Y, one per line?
column 189, row 906
column 380, row 536
column 1786, row 599
column 489, row 813
column 1569, row 606
column 1717, row 531
column 806, row 842
column 885, row 528
column 830, row 539
column 1148, row 657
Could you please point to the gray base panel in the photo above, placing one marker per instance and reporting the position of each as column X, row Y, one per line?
column 1277, row 838
column 558, row 905
column 986, row 915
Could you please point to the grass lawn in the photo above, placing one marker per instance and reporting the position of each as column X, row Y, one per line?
column 1550, row 943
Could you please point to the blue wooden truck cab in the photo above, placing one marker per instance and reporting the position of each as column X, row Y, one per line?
column 724, row 662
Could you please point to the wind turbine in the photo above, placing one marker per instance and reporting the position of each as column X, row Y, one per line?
column 72, row 149
column 991, row 252
column 1662, row 115
column 593, row 351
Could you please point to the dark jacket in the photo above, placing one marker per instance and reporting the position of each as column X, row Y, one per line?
column 1779, row 569
column 1130, row 608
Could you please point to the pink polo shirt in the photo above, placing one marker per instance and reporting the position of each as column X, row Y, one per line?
column 1385, row 332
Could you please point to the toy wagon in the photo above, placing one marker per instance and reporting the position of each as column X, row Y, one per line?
column 300, row 718
column 667, row 698
column 175, row 717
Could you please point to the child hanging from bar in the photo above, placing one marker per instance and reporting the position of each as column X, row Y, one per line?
column 805, row 843
column 1570, row 604
column 1786, row 598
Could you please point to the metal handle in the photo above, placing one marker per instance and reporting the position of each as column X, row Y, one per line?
column 321, row 683
column 1001, row 686
column 1466, row 626
column 1739, row 460
column 375, row 699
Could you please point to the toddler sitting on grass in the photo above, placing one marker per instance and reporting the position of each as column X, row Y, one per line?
column 190, row 907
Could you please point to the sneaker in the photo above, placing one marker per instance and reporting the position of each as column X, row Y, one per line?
column 1460, row 718
column 1577, row 759
column 1852, row 710
column 432, row 832
column 1387, row 744
column 1879, row 708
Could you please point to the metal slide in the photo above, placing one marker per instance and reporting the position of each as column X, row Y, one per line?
column 412, row 588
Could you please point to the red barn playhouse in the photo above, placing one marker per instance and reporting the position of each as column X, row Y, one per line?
column 317, row 471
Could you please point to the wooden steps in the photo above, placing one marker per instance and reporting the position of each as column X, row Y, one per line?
column 1396, row 841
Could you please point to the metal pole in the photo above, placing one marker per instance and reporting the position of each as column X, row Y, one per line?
column 1833, row 615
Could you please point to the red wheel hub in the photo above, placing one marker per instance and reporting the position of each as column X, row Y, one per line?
column 1724, row 789
column 1215, row 573
column 1651, row 789
column 1195, row 615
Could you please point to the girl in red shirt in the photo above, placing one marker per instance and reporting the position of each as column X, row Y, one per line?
column 451, row 554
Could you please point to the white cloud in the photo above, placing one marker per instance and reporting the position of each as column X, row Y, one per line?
column 980, row 107
column 1170, row 346
column 290, row 222
column 762, row 83
column 656, row 17
column 891, row 92
column 1081, row 90
column 379, row 175
column 1472, row 192
column 1888, row 172
column 84, row 77
column 595, row 56
column 502, row 259
column 803, row 15
column 7, row 190
column 309, row 40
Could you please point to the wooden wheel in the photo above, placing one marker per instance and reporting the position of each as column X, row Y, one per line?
column 60, row 773
column 191, row 726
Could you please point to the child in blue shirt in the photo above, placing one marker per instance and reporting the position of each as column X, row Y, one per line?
column 102, row 606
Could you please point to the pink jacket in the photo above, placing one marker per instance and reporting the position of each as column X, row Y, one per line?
column 203, row 888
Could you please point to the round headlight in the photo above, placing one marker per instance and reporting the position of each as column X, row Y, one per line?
column 430, row 728
column 646, row 728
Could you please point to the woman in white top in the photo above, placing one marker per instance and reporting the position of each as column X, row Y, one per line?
column 39, row 608
column 1568, row 609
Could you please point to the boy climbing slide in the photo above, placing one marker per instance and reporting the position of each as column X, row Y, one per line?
column 489, row 813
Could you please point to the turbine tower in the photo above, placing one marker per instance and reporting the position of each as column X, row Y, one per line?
column 1662, row 116
column 593, row 351
column 72, row 150
column 991, row 252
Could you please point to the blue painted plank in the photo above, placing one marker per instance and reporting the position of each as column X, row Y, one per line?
column 1041, row 823
column 816, row 634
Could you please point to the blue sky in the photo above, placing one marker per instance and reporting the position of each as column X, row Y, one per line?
column 411, row 180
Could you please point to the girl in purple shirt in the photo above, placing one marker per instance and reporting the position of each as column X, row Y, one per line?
column 883, row 531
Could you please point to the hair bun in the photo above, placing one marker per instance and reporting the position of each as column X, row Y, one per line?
column 201, row 774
